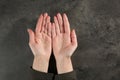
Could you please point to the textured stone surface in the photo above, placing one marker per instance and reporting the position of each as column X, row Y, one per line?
column 97, row 23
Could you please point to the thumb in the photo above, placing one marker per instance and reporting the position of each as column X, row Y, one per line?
column 31, row 36
column 74, row 38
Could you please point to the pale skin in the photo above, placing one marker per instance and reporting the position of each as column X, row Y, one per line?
column 55, row 36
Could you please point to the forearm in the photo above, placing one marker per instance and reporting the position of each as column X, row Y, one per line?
column 40, row 64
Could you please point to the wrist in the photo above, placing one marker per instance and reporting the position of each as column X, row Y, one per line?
column 40, row 64
column 64, row 65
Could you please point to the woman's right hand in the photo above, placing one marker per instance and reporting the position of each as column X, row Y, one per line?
column 40, row 43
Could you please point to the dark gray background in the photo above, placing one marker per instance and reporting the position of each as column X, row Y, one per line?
column 97, row 23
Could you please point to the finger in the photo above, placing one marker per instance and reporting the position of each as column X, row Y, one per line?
column 48, row 19
column 31, row 36
column 66, row 24
column 73, row 38
column 45, row 28
column 60, row 21
column 53, row 30
column 56, row 26
column 46, row 24
column 39, row 24
column 49, row 29
column 44, row 20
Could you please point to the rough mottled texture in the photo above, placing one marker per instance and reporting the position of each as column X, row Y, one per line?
column 97, row 23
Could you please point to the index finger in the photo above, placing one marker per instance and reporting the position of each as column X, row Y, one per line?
column 39, row 24
column 66, row 24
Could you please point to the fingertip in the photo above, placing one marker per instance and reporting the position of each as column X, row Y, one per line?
column 64, row 14
column 58, row 13
column 48, row 17
column 74, row 31
column 54, row 19
column 40, row 16
column 59, row 17
column 28, row 30
column 45, row 13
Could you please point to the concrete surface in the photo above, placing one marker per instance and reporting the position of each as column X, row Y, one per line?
column 97, row 23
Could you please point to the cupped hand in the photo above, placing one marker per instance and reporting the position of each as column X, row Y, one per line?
column 40, row 41
column 64, row 40
column 64, row 43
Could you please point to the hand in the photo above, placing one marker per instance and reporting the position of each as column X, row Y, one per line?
column 40, row 43
column 64, row 43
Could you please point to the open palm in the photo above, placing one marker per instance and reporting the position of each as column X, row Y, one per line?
column 64, row 41
column 40, row 40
